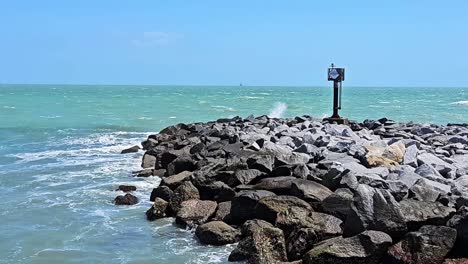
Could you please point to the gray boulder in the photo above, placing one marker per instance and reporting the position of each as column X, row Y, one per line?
column 338, row 203
column 367, row 247
column 157, row 210
column 217, row 233
column 243, row 204
column 419, row 213
column 195, row 212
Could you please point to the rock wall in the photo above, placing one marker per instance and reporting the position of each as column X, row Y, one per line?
column 302, row 190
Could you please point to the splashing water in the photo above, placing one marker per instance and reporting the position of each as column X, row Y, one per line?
column 278, row 110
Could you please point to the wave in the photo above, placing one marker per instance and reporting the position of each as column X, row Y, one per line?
column 460, row 103
column 278, row 110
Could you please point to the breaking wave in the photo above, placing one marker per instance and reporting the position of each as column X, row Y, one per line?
column 278, row 110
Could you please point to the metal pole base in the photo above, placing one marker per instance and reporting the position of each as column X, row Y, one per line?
column 338, row 120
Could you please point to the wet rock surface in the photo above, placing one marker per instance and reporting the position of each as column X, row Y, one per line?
column 299, row 189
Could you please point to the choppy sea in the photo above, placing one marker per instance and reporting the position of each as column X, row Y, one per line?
column 60, row 161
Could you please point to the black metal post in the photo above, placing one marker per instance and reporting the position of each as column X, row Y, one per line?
column 336, row 85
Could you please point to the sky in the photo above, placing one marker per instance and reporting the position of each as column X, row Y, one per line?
column 253, row 42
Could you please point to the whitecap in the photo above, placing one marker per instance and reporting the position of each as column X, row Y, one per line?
column 145, row 118
column 9, row 107
column 173, row 117
column 50, row 117
column 250, row 97
column 460, row 103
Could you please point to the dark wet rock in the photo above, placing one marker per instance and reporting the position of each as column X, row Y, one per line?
column 216, row 191
column 338, row 203
column 130, row 150
column 126, row 188
column 263, row 163
column 430, row 244
column 158, row 210
column 127, row 199
column 176, row 180
column 460, row 223
column 223, row 212
column 243, row 204
column 365, row 248
column 374, row 209
column 184, row 192
column 262, row 244
column 180, row 164
column 243, row 177
column 419, row 213
column 278, row 185
column 144, row 173
column 217, row 233
column 148, row 161
column 162, row 192
column 195, row 212
column 309, row 191
column 320, row 227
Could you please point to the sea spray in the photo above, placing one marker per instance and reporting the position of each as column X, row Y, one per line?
column 278, row 110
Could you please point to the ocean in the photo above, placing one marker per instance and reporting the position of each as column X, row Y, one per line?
column 60, row 161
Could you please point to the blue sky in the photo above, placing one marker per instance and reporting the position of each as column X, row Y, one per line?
column 384, row 43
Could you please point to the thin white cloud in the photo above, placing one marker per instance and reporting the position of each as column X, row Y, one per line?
column 156, row 38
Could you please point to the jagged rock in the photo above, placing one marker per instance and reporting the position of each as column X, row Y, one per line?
column 262, row 244
column 456, row 261
column 157, row 210
column 440, row 165
column 263, row 163
column 130, row 150
column 419, row 213
column 243, row 204
column 338, row 203
column 278, row 185
column 179, row 165
column 243, row 177
column 126, row 188
column 162, row 192
column 195, row 212
column 309, row 191
column 217, row 233
column 148, row 161
column 430, row 244
column 144, row 173
column 460, row 223
column 184, row 192
column 223, row 212
column 367, row 247
column 423, row 191
column 176, row 180
column 126, row 199
column 216, row 191
column 283, row 211
column 374, row 209
column 320, row 227
column 410, row 157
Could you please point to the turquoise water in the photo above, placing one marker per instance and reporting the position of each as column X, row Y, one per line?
column 59, row 161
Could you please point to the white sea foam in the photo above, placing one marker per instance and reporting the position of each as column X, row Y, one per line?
column 278, row 110
column 460, row 103
column 9, row 107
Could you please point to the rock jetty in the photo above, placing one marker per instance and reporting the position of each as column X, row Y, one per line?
column 300, row 190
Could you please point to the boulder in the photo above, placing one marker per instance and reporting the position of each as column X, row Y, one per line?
column 162, row 192
column 338, row 203
column 126, row 199
column 158, row 210
column 423, row 191
column 144, row 173
column 302, row 239
column 263, row 163
column 385, row 156
column 430, row 244
column 456, row 261
column 175, row 180
column 410, row 157
column 217, row 233
column 180, row 164
column 243, row 204
column 243, row 177
column 195, row 212
column 184, row 192
column 278, row 185
column 130, row 150
column 148, row 161
column 374, row 209
column 262, row 244
column 440, row 165
column 419, row 213
column 367, row 247
column 223, row 212
column 460, row 223
column 309, row 191
column 283, row 211
column 126, row 188
column 216, row 191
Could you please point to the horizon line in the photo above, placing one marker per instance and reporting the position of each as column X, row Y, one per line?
column 233, row 85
